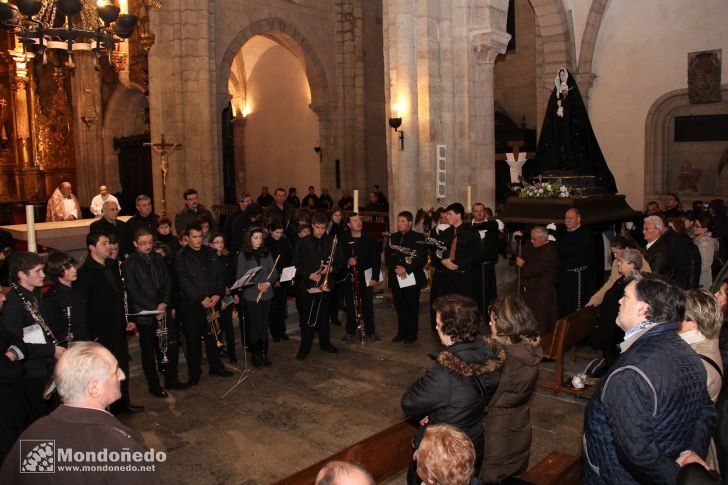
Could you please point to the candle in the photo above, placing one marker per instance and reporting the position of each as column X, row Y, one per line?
column 469, row 207
column 30, row 227
column 356, row 200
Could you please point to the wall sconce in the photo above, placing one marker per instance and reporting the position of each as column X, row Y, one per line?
column 320, row 153
column 395, row 122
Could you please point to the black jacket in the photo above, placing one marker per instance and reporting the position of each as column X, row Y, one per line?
column 308, row 255
column 56, row 300
column 684, row 259
column 280, row 247
column 458, row 388
column 39, row 360
column 101, row 286
column 187, row 216
column 488, row 242
column 410, row 240
column 147, row 282
column 137, row 221
column 658, row 255
column 367, row 254
column 199, row 274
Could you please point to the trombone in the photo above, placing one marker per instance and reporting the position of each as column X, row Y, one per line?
column 323, row 287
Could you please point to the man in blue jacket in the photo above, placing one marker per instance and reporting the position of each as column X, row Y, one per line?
column 651, row 413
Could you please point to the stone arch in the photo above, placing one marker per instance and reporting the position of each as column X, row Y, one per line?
column 658, row 130
column 588, row 43
column 289, row 37
column 123, row 116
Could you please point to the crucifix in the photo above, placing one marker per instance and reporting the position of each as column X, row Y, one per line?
column 164, row 150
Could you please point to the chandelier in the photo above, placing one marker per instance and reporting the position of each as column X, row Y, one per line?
column 69, row 25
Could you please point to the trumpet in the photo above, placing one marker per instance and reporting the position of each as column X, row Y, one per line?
column 163, row 336
column 440, row 247
column 409, row 254
column 324, row 286
column 213, row 321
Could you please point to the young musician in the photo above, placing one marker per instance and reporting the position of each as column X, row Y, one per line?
column 217, row 242
column 407, row 299
column 149, row 287
column 201, row 280
column 24, row 322
column 362, row 254
column 279, row 245
column 63, row 305
column 316, row 261
column 258, row 296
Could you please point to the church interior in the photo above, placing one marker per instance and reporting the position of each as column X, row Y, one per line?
column 435, row 102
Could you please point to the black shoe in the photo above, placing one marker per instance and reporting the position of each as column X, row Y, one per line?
column 276, row 339
column 301, row 355
column 221, row 373
column 397, row 338
column 349, row 337
column 373, row 338
column 410, row 340
column 336, row 323
column 330, row 349
column 177, row 385
column 233, row 360
column 158, row 392
column 193, row 381
column 264, row 354
column 284, row 337
column 257, row 355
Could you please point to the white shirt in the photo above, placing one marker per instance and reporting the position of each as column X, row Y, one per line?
column 97, row 204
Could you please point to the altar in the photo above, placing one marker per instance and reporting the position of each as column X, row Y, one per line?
column 68, row 236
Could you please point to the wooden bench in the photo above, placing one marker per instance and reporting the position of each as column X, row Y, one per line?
column 388, row 453
column 568, row 331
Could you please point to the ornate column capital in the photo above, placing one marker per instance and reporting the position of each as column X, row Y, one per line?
column 487, row 44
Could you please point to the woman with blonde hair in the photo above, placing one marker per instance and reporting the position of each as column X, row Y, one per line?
column 446, row 456
column 508, row 420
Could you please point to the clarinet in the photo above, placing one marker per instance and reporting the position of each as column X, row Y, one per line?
column 126, row 297
column 163, row 336
column 69, row 332
column 358, row 313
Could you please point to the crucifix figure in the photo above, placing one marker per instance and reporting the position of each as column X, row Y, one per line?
column 164, row 150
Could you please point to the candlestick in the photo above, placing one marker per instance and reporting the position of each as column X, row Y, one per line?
column 469, row 207
column 356, row 200
column 30, row 227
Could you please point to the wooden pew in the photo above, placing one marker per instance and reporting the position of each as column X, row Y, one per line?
column 568, row 331
column 388, row 453
column 385, row 454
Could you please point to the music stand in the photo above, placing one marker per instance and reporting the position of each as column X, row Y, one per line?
column 245, row 372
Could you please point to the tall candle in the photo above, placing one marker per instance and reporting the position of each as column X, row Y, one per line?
column 30, row 227
column 469, row 207
column 356, row 200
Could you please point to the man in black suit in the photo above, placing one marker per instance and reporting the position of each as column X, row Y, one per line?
column 407, row 299
column 657, row 251
column 461, row 256
column 107, row 320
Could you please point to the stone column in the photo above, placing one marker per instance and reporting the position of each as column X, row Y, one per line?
column 88, row 123
column 240, row 166
column 485, row 45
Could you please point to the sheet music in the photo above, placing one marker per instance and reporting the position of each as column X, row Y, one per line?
column 287, row 273
column 146, row 312
column 33, row 334
column 408, row 280
column 246, row 279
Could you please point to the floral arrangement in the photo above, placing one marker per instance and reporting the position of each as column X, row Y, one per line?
column 541, row 190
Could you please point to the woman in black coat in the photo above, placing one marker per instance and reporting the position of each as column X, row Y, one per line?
column 458, row 388
column 279, row 245
column 217, row 242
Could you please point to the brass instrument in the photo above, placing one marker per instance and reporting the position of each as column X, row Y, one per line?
column 267, row 280
column 324, row 286
column 358, row 311
column 440, row 247
column 409, row 254
column 213, row 321
column 163, row 336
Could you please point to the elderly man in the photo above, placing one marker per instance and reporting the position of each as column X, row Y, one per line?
column 110, row 224
column 539, row 268
column 191, row 212
column 63, row 205
column 576, row 259
column 97, row 203
column 651, row 412
column 88, row 379
column 657, row 250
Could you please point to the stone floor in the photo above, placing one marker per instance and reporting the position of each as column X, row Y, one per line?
column 291, row 415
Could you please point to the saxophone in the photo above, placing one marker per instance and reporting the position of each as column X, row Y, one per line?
column 409, row 254
column 213, row 321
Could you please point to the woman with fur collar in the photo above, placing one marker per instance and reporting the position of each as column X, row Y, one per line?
column 508, row 422
column 458, row 388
